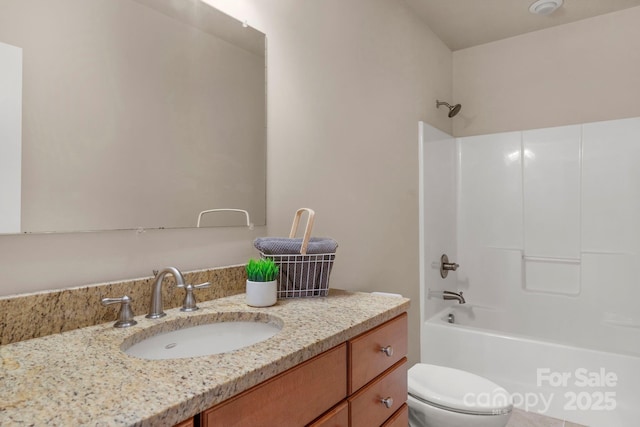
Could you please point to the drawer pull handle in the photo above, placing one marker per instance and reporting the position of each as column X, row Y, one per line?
column 388, row 350
column 388, row 402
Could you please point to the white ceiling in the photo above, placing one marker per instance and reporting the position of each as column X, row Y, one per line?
column 465, row 23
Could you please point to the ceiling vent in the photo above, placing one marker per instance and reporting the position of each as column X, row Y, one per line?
column 545, row 7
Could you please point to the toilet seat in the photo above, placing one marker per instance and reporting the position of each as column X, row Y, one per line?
column 457, row 391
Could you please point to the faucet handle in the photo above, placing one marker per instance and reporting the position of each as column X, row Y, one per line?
column 190, row 286
column 189, row 303
column 203, row 285
column 446, row 266
column 125, row 316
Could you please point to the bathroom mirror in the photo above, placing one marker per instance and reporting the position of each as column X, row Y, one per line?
column 135, row 114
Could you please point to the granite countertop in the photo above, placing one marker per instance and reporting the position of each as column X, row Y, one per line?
column 82, row 377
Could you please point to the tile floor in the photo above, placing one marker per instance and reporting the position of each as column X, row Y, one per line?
column 531, row 419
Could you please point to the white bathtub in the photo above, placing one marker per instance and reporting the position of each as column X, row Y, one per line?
column 589, row 387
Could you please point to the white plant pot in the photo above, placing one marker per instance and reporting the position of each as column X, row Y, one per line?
column 262, row 294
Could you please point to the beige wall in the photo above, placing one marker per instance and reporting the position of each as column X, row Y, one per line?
column 576, row 73
column 347, row 84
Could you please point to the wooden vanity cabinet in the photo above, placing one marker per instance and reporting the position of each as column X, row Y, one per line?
column 400, row 418
column 378, row 373
column 375, row 351
column 186, row 423
column 360, row 383
column 336, row 417
column 294, row 398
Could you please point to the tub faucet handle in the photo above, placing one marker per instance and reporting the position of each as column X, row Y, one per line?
column 446, row 266
column 125, row 316
column 189, row 303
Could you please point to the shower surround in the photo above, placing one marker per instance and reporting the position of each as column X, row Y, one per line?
column 545, row 226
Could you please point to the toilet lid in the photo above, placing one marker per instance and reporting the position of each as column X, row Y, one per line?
column 457, row 390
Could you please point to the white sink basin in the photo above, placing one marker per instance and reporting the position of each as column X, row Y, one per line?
column 203, row 340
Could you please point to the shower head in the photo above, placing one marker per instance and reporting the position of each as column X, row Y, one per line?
column 453, row 109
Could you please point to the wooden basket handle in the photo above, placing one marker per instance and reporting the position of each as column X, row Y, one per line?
column 307, row 229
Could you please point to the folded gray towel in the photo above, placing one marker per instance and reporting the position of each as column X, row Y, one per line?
column 282, row 245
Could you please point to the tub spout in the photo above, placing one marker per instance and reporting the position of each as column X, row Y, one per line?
column 448, row 295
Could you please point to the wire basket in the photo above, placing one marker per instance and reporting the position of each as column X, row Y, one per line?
column 303, row 275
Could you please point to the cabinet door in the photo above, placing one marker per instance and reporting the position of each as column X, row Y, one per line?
column 367, row 359
column 337, row 417
column 294, row 398
column 186, row 423
column 367, row 407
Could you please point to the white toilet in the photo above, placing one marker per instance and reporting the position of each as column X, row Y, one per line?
column 447, row 397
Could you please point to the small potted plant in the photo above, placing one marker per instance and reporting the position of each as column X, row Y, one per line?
column 262, row 286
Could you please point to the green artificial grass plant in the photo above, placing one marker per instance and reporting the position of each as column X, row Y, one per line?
column 262, row 270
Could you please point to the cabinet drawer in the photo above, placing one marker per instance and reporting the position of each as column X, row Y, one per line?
column 337, row 417
column 366, row 358
column 294, row 398
column 366, row 408
column 399, row 419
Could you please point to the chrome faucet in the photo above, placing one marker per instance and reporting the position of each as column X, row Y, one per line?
column 155, row 308
column 448, row 295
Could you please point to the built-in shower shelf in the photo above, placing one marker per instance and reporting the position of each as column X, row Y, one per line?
column 552, row 259
column 622, row 321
